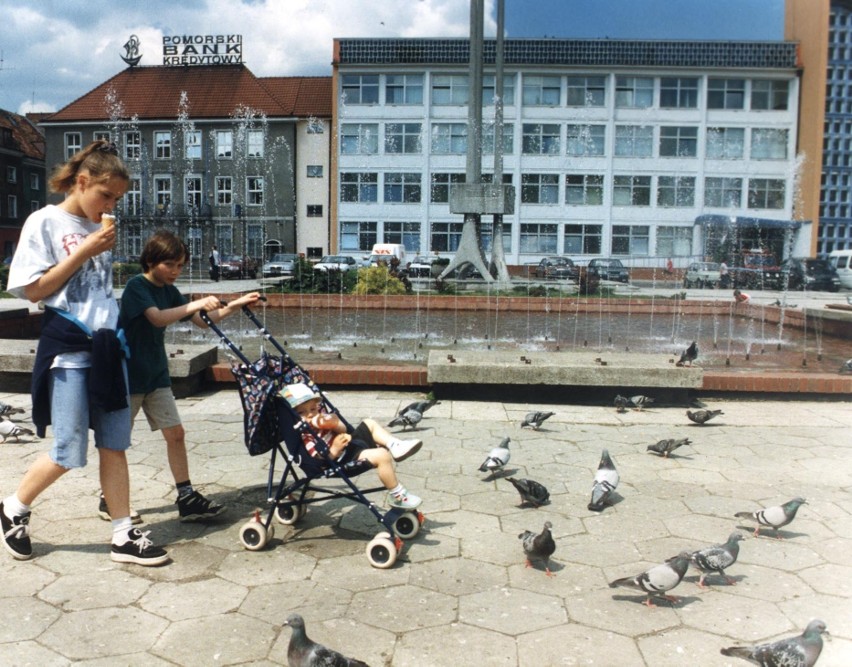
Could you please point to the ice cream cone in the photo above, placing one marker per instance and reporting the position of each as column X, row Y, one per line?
column 107, row 220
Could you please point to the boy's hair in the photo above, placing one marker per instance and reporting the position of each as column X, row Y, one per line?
column 163, row 246
column 99, row 158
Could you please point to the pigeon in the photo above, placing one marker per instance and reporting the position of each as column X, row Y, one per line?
column 659, row 579
column 717, row 558
column 774, row 517
column 690, row 354
column 702, row 416
column 531, row 491
column 418, row 406
column 302, row 652
column 6, row 410
column 408, row 418
column 497, row 458
column 846, row 367
column 621, row 403
column 640, row 401
column 536, row 419
column 666, row 447
column 606, row 479
column 10, row 430
column 800, row 651
column 539, row 547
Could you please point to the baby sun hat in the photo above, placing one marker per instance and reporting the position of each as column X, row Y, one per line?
column 296, row 394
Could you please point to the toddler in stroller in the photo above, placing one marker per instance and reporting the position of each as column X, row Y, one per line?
column 368, row 441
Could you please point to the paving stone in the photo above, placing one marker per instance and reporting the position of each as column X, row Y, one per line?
column 24, row 618
column 512, row 611
column 224, row 639
column 30, row 653
column 102, row 589
column 178, row 602
column 404, row 608
column 347, row 636
column 573, row 644
column 455, row 644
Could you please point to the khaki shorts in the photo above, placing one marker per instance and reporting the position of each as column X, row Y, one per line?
column 159, row 407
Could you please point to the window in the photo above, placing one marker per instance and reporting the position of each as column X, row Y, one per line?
column 357, row 235
column 584, row 190
column 489, row 91
column 314, row 171
column 132, row 145
column 449, row 138
column 163, row 145
column 768, row 144
column 315, row 126
column 508, row 139
column 439, row 191
column 485, row 236
column 769, row 95
column 445, row 236
column 224, row 191
column 541, row 139
column 631, row 191
column 224, row 144
column 35, row 182
column 634, row 141
column 35, row 205
column 11, row 174
column 12, row 207
column 254, row 139
column 630, row 239
column 133, row 240
column 403, row 138
column 676, row 191
column 725, row 143
column 586, row 91
column 678, row 141
column 726, row 94
column 633, row 92
column 254, row 240
column 449, row 89
column 541, row 91
column 192, row 144
column 359, row 138
column 538, row 238
column 674, row 241
column 162, row 193
column 406, row 233
column 539, row 189
column 678, row 93
column 766, row 193
column 101, row 136
column 73, row 144
column 314, row 210
column 723, row 192
column 254, row 190
column 133, row 196
column 225, row 238
column 360, row 88
column 192, row 187
column 585, row 140
column 359, row 186
column 402, row 188
column 404, row 89
column 583, row 239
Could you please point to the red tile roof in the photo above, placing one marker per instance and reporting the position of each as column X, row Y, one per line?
column 154, row 93
column 25, row 134
column 302, row 96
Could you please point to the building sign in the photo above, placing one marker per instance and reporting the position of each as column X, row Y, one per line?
column 132, row 56
column 202, row 50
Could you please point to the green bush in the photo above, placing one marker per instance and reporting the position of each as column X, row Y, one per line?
column 122, row 272
column 377, row 280
column 4, row 276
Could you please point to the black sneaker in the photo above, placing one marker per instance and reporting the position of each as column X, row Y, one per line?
column 103, row 512
column 16, row 535
column 139, row 550
column 195, row 507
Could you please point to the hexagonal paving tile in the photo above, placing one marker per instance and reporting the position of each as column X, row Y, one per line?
column 403, row 608
column 511, row 611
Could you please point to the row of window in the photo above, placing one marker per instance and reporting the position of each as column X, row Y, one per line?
column 134, row 237
column 638, row 141
column 580, row 189
column 533, row 238
column 579, row 90
column 193, row 193
column 11, row 210
column 12, row 177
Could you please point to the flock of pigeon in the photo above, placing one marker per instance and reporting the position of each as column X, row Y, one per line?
column 8, row 428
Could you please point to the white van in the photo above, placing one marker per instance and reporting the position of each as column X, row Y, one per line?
column 842, row 261
column 385, row 252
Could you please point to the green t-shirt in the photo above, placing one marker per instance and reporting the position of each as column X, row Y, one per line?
column 148, row 366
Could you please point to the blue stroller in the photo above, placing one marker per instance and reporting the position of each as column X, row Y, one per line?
column 272, row 426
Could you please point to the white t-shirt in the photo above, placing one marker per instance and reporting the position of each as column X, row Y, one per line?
column 50, row 235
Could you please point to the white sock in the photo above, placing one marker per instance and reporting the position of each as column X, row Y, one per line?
column 398, row 491
column 13, row 507
column 120, row 528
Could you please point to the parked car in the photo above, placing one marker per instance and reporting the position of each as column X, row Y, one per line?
column 336, row 263
column 811, row 274
column 280, row 264
column 556, row 268
column 609, row 269
column 702, row 274
column 237, row 266
column 426, row 267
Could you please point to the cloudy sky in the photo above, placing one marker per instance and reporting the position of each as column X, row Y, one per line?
column 54, row 51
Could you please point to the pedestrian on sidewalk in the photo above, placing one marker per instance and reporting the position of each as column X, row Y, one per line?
column 149, row 304
column 79, row 377
column 214, row 264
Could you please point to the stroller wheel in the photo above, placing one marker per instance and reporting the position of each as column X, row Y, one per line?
column 381, row 552
column 289, row 515
column 407, row 525
column 254, row 536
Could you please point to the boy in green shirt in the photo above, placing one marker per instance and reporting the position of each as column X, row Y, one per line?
column 150, row 303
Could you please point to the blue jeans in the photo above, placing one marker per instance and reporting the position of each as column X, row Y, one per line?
column 71, row 417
